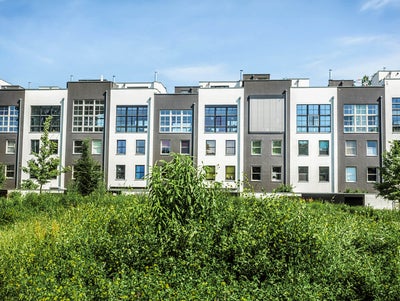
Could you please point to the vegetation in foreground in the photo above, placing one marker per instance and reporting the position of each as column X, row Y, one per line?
column 105, row 247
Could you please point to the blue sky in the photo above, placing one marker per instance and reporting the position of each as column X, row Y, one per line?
column 45, row 42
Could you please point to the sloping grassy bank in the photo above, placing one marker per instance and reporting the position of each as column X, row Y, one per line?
column 57, row 247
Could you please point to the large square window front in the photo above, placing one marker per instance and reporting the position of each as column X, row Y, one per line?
column 88, row 115
column 131, row 119
column 175, row 121
column 313, row 118
column 220, row 119
column 396, row 114
column 39, row 114
column 360, row 118
column 8, row 119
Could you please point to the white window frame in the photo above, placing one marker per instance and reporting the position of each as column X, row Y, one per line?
column 97, row 147
column 372, row 151
column 350, row 148
column 11, row 146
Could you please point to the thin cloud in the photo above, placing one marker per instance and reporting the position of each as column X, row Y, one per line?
column 378, row 4
column 362, row 40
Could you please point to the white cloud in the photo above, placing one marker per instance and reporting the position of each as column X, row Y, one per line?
column 362, row 40
column 378, row 4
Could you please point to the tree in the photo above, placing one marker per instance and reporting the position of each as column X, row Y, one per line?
column 389, row 187
column 365, row 81
column 45, row 164
column 87, row 172
column 2, row 174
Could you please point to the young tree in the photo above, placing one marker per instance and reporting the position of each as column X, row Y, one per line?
column 2, row 174
column 389, row 188
column 87, row 172
column 45, row 164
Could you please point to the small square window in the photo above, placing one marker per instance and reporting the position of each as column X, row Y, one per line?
column 372, row 174
column 185, row 147
column 10, row 147
column 96, row 147
column 139, row 172
column 276, row 147
column 324, row 174
column 77, row 146
column 256, row 147
column 120, row 172
column 351, row 148
column 351, row 174
column 210, row 172
column 140, row 147
column 230, row 147
column 372, row 148
column 10, row 171
column 303, row 147
column 210, row 147
column 230, row 174
column 303, row 173
column 165, row 147
column 276, row 174
column 256, row 173
column 121, row 147
column 35, row 143
column 324, row 148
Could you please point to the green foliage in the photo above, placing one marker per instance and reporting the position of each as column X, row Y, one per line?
column 29, row 185
column 277, row 248
column 283, row 188
column 389, row 188
column 366, row 81
column 87, row 171
column 45, row 164
column 2, row 174
column 178, row 191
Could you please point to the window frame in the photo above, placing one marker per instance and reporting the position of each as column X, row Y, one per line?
column 140, row 172
column 230, row 173
column 303, row 173
column 210, row 171
column 9, row 119
column 173, row 121
column 11, row 145
column 211, row 150
column 120, row 170
column 324, row 170
column 395, row 114
column 375, row 174
column 375, row 149
column 97, row 149
column 76, row 147
column 40, row 113
column 121, row 147
column 321, row 150
column 131, row 119
column 313, row 118
column 256, row 174
column 347, row 174
column 348, row 148
column 221, row 119
column 276, row 176
column 9, row 171
column 165, row 144
column 185, row 150
column 274, row 148
column 36, row 146
column 230, row 147
column 360, row 118
column 139, row 148
column 302, row 147
column 255, row 148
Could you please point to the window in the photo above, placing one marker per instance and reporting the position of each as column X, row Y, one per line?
column 360, row 118
column 96, row 147
column 8, row 119
column 140, row 147
column 54, row 146
column 35, row 143
column 10, row 146
column 210, row 147
column 121, row 147
column 73, row 170
column 372, row 148
column 230, row 147
column 120, row 172
column 324, row 174
column 303, row 147
column 175, row 121
column 77, row 147
column 396, row 115
column 39, row 115
column 303, row 173
column 88, row 115
column 324, row 148
column 131, row 119
column 372, row 174
column 276, row 174
column 313, row 118
column 139, row 172
column 351, row 174
column 185, row 147
column 210, row 172
column 10, row 171
column 230, row 173
column 277, row 147
column 256, row 173
column 165, row 147
column 351, row 147
column 220, row 119
column 256, row 147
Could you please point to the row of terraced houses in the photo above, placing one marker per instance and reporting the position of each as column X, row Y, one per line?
column 257, row 132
